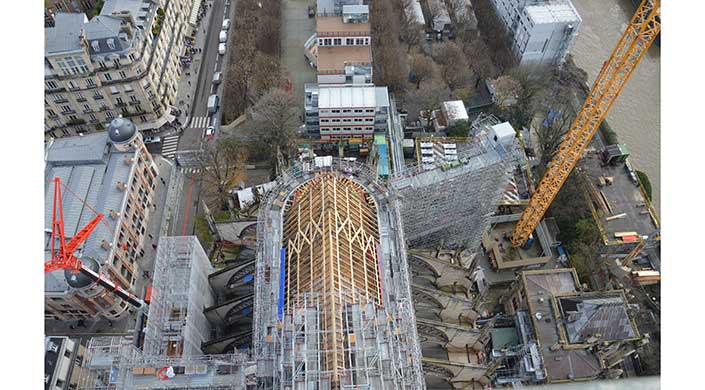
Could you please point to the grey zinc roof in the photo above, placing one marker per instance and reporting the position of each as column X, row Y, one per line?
column 606, row 315
column 101, row 29
column 90, row 148
column 94, row 184
column 64, row 36
column 137, row 8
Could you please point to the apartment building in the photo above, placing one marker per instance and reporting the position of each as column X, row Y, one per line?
column 52, row 7
column 543, row 31
column 112, row 173
column 340, row 49
column 333, row 7
column 63, row 363
column 342, row 112
column 123, row 62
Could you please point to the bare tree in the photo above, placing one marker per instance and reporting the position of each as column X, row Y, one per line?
column 454, row 66
column 275, row 121
column 477, row 53
column 550, row 133
column 266, row 74
column 426, row 100
column 409, row 29
column 423, row 68
column 222, row 167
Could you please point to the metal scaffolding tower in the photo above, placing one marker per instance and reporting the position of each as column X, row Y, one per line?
column 176, row 325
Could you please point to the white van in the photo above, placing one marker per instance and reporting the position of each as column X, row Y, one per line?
column 223, row 36
column 226, row 24
column 213, row 102
column 221, row 48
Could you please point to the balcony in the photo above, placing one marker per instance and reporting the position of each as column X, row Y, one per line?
column 76, row 122
column 67, row 112
column 81, row 99
column 61, row 100
column 88, row 111
column 134, row 103
column 98, row 97
column 118, row 104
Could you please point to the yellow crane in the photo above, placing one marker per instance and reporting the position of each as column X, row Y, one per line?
column 637, row 38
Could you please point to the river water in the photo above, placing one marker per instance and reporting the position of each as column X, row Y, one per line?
column 635, row 115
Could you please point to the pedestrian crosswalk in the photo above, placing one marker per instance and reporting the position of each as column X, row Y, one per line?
column 198, row 122
column 169, row 146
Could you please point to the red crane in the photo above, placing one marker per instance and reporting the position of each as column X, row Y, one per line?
column 63, row 257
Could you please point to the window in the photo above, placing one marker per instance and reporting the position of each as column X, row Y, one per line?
column 346, row 111
column 132, row 57
column 349, row 41
column 82, row 65
column 110, row 115
column 90, row 83
column 98, row 96
column 335, row 111
column 128, row 88
column 80, row 97
column 123, row 74
column 64, row 68
column 133, row 98
column 337, row 42
column 71, row 84
column 358, row 41
column 93, row 118
column 124, row 110
column 59, row 98
column 52, row 85
column 111, row 44
column 87, row 108
column 72, row 65
column 65, row 109
column 142, row 117
column 138, row 108
column 67, row 353
column 369, row 110
column 358, row 110
column 119, row 100
column 107, row 77
column 367, row 41
column 51, row 113
column 327, row 42
column 114, row 90
column 102, row 65
column 59, row 383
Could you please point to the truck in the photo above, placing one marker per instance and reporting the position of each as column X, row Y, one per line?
column 213, row 103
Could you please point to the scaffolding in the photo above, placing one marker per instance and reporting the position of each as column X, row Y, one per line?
column 115, row 364
column 450, row 203
column 176, row 325
column 360, row 329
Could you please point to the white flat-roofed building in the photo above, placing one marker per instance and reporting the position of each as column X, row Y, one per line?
column 543, row 31
column 349, row 111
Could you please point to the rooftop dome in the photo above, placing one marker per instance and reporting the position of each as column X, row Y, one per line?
column 121, row 130
column 79, row 280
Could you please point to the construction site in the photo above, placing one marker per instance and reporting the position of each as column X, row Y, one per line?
column 443, row 274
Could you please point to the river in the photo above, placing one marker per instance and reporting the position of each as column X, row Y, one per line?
column 636, row 114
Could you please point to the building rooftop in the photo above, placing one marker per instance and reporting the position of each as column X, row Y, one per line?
column 605, row 315
column 90, row 167
column 137, row 8
column 334, row 25
column 455, row 110
column 66, row 33
column 347, row 96
column 592, row 313
column 553, row 12
column 334, row 58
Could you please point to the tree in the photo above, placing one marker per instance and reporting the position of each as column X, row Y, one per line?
column 221, row 164
column 477, row 53
column 551, row 132
column 409, row 29
column 454, row 66
column 423, row 68
column 275, row 121
column 426, row 100
column 266, row 75
column 461, row 128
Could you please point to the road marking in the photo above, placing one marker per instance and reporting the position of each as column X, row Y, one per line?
column 169, row 146
column 198, row 122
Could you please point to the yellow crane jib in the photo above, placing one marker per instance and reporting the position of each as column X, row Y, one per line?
column 637, row 38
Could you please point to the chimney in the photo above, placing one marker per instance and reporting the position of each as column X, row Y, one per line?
column 106, row 245
column 128, row 160
column 121, row 186
column 114, row 214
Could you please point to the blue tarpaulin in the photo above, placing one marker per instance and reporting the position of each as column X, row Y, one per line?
column 282, row 275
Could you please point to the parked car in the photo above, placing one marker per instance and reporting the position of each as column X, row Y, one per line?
column 217, row 77
column 221, row 49
column 209, row 133
column 152, row 140
column 311, row 11
column 213, row 103
column 226, row 24
column 223, row 36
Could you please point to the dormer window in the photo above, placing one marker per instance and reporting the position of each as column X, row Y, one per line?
column 96, row 46
column 111, row 43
